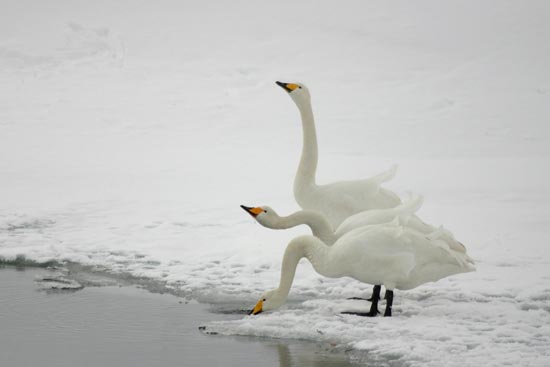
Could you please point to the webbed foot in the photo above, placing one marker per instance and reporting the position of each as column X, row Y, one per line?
column 360, row 299
column 365, row 314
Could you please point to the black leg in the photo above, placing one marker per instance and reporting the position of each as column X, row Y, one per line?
column 367, row 299
column 375, row 298
column 373, row 307
column 389, row 302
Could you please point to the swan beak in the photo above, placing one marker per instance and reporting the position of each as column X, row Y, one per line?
column 252, row 211
column 289, row 87
column 258, row 308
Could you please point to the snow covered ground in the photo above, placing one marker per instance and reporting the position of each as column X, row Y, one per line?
column 130, row 133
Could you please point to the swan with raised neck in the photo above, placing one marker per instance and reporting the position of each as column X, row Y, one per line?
column 338, row 200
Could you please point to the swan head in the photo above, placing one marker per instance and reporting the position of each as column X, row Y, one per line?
column 270, row 300
column 297, row 91
column 264, row 215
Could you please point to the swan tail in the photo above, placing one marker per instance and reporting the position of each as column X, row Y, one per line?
column 447, row 236
column 460, row 247
column 439, row 233
column 435, row 234
column 461, row 258
column 464, row 260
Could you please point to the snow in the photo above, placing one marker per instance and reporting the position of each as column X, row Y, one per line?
column 131, row 133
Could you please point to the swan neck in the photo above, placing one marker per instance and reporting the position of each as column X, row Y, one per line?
column 308, row 162
column 305, row 246
column 292, row 256
column 319, row 225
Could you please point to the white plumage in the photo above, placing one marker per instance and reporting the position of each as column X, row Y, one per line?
column 360, row 230
column 395, row 256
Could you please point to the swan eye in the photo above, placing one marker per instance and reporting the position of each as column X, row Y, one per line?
column 300, row 87
column 263, row 300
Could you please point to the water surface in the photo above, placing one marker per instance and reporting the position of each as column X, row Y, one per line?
column 120, row 326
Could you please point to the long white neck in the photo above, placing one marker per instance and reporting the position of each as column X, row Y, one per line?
column 307, row 169
column 303, row 246
column 319, row 225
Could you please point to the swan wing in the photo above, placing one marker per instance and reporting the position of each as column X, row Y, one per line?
column 375, row 255
column 385, row 176
column 368, row 186
column 408, row 208
column 434, row 233
column 397, row 256
column 365, row 218
column 400, row 215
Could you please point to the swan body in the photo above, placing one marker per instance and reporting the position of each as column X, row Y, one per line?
column 339, row 200
column 395, row 256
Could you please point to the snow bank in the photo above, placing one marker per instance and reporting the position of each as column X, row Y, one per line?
column 130, row 134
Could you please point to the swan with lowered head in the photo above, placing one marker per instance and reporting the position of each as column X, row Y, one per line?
column 395, row 256
column 338, row 200
column 321, row 229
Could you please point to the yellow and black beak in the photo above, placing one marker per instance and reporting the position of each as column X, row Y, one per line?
column 258, row 308
column 289, row 87
column 252, row 211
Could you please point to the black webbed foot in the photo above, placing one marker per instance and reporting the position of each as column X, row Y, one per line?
column 373, row 307
column 366, row 314
column 360, row 299
column 375, row 291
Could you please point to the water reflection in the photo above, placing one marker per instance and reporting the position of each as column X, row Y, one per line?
column 310, row 356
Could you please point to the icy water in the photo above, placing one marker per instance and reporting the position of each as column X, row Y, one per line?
column 114, row 325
